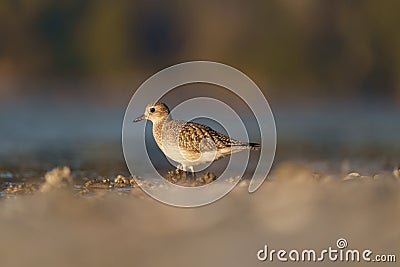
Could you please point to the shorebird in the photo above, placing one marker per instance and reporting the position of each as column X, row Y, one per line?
column 188, row 143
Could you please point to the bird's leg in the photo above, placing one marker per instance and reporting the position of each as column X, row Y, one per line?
column 181, row 167
column 184, row 168
column 192, row 170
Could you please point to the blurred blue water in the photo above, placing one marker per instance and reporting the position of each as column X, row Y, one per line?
column 69, row 133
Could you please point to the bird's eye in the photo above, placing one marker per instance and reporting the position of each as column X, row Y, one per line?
column 152, row 110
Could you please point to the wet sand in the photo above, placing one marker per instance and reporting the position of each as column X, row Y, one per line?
column 300, row 206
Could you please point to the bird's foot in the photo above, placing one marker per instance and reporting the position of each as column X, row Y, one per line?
column 181, row 167
column 186, row 170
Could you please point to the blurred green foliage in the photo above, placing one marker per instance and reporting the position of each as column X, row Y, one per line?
column 308, row 46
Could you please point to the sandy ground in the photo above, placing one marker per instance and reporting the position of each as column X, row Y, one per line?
column 298, row 207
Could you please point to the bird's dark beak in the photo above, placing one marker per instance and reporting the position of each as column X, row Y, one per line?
column 143, row 117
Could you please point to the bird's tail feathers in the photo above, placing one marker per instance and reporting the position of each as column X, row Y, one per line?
column 251, row 146
column 254, row 146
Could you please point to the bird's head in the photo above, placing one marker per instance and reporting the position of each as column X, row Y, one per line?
column 154, row 112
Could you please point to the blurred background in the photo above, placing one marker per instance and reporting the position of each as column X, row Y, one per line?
column 330, row 70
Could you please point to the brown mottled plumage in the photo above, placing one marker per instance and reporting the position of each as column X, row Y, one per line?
column 189, row 143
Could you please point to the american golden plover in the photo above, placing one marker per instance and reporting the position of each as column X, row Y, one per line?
column 189, row 143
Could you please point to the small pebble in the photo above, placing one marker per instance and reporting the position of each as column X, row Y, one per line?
column 21, row 189
column 243, row 183
column 352, row 175
column 180, row 177
column 121, row 181
column 95, row 183
column 133, row 182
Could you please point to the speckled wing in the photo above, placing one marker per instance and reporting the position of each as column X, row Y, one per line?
column 192, row 134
